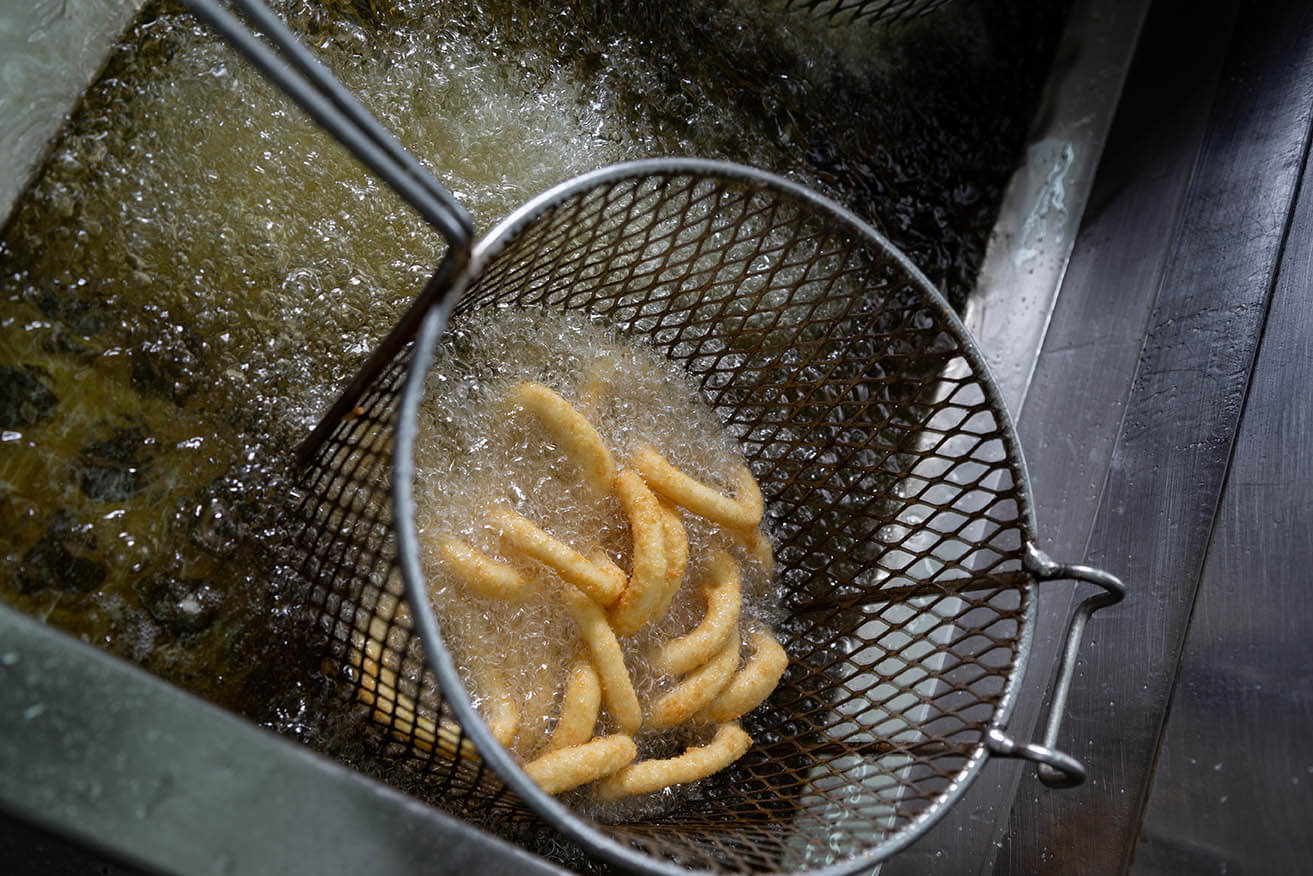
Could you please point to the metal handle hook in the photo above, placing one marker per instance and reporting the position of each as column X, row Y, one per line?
column 1055, row 768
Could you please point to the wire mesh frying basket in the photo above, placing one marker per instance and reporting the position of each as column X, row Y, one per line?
column 894, row 486
column 851, row 11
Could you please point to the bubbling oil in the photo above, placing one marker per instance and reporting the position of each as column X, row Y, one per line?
column 197, row 270
column 474, row 449
column 191, row 281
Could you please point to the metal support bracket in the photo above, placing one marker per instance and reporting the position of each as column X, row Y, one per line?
column 1055, row 768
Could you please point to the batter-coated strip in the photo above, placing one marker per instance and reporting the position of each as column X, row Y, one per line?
column 741, row 513
column 602, row 585
column 759, row 547
column 647, row 580
column 575, row 435
column 399, row 712
column 675, row 537
column 481, row 574
column 577, row 765
column 504, row 714
column 379, row 680
column 697, row 689
column 729, row 744
column 418, row 730
column 753, row 683
column 608, row 659
column 724, row 595
column 599, row 558
column 580, row 704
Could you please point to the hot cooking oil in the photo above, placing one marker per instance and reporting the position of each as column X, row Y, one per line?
column 197, row 270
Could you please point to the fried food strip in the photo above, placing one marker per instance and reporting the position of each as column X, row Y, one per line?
column 675, row 537
column 598, row 557
column 729, row 744
column 575, row 435
column 697, row 689
column 724, row 595
column 580, row 704
column 753, row 683
column 760, row 548
column 396, row 711
column 577, row 765
column 505, row 717
column 647, row 581
column 481, row 574
column 608, row 659
column 399, row 712
column 602, row 585
column 741, row 514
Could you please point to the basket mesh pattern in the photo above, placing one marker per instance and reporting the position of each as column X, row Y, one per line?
column 894, row 495
column 844, row 11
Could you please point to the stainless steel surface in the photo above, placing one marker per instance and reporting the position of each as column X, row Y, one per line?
column 1156, row 509
column 1232, row 788
column 49, row 53
column 102, row 754
column 1009, row 312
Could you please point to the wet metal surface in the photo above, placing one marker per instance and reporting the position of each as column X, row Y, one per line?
column 1158, row 506
column 106, row 755
column 1233, row 784
column 49, row 52
column 1042, row 208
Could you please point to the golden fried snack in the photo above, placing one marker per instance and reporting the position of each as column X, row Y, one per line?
column 505, row 717
column 608, row 659
column 751, row 684
column 697, row 689
column 577, row 765
column 398, row 712
column 575, row 435
column 760, row 548
column 729, row 744
column 580, row 704
column 603, row 585
column 481, row 574
column 741, row 514
column 675, row 538
column 647, row 582
column 724, row 595
column 599, row 558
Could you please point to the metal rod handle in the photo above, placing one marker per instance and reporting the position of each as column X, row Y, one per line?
column 1055, row 768
column 308, row 82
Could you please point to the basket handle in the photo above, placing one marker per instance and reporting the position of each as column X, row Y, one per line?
column 1055, row 768
column 295, row 70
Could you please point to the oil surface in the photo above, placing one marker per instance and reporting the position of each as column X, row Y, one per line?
column 198, row 270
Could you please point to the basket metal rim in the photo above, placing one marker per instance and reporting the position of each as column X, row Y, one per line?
column 590, row 838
